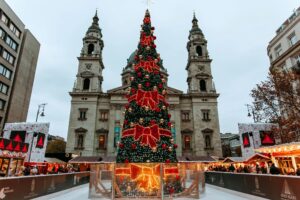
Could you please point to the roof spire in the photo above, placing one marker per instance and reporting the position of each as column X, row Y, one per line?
column 95, row 18
column 195, row 27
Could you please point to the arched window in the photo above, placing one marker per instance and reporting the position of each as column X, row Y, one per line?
column 187, row 142
column 199, row 50
column 202, row 85
column 125, row 82
column 80, row 141
column 207, row 141
column 90, row 49
column 86, row 84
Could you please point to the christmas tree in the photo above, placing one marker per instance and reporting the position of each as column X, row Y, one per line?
column 146, row 135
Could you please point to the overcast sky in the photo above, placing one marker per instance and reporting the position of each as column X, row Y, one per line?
column 237, row 31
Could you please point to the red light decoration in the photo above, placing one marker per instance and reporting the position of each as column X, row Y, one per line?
column 9, row 147
column 2, row 146
column 17, row 147
column 25, row 148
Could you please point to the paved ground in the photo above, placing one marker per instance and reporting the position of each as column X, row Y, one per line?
column 211, row 193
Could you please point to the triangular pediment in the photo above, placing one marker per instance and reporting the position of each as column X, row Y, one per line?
column 187, row 131
column 81, row 130
column 86, row 74
column 123, row 89
column 207, row 130
column 102, row 130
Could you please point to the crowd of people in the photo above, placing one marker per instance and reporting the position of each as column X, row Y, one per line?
column 28, row 170
column 253, row 168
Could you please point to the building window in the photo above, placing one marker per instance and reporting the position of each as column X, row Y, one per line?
column 292, row 39
column 102, row 142
column 205, row 115
column 207, row 141
column 202, row 85
column 5, row 72
column 86, row 84
column 278, row 51
column 103, row 115
column 90, row 49
column 7, row 56
column 3, row 88
column 199, row 50
column 2, row 104
column 10, row 42
column 4, row 18
column 2, row 33
column 187, row 142
column 185, row 115
column 80, row 140
column 15, row 30
column 82, row 114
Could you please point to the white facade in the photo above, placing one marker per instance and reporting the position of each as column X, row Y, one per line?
column 37, row 154
column 254, row 136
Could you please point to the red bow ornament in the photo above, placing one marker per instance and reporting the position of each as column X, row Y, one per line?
column 147, row 98
column 149, row 66
column 148, row 136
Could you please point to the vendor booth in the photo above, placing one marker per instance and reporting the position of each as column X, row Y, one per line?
column 285, row 156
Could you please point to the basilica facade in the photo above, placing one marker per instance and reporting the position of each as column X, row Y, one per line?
column 96, row 116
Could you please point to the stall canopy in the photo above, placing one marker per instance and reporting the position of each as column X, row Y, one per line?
column 259, row 158
column 234, row 160
column 92, row 159
column 54, row 160
column 288, row 149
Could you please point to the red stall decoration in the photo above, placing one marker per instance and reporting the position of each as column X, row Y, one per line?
column 267, row 138
column 18, row 136
column 246, row 140
column 40, row 140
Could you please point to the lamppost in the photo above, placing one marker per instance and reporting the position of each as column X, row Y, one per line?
column 33, row 136
column 250, row 109
column 40, row 111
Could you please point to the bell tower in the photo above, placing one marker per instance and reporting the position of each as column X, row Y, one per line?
column 198, row 67
column 89, row 76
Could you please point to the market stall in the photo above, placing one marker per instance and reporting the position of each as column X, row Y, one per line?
column 285, row 156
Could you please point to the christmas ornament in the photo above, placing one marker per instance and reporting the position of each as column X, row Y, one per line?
column 175, row 146
column 130, row 110
column 147, row 108
column 140, row 86
column 161, row 121
column 131, row 124
column 163, row 80
column 147, row 76
column 172, row 140
column 164, row 146
column 147, row 84
column 140, row 56
column 133, row 146
column 170, row 149
column 121, row 145
column 132, row 78
column 164, row 107
column 141, row 120
column 154, row 149
column 148, row 48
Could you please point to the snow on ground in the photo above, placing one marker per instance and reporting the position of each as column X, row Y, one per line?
column 211, row 193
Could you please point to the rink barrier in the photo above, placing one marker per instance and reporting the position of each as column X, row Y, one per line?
column 29, row 187
column 275, row 187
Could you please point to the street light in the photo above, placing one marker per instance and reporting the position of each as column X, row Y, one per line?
column 250, row 109
column 40, row 111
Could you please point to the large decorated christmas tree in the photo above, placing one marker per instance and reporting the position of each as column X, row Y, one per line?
column 146, row 135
